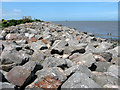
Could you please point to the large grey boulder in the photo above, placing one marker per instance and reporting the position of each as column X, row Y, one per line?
column 74, row 49
column 80, row 80
column 102, row 66
column 54, row 62
column 80, row 68
column 12, row 55
column 38, row 56
column 114, row 69
column 85, row 59
column 58, row 47
column 104, row 78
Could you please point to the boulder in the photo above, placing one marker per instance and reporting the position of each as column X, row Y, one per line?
column 23, row 74
column 48, row 78
column 102, row 66
column 85, row 59
column 38, row 56
column 80, row 80
column 54, row 62
column 114, row 69
column 107, row 56
column 104, row 78
column 58, row 47
column 80, row 68
column 12, row 55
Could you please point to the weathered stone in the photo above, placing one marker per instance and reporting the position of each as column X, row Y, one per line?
column 9, row 56
column 102, row 66
column 106, row 56
column 54, row 62
column 59, row 45
column 114, row 69
column 74, row 49
column 85, row 59
column 102, row 79
column 104, row 46
column 23, row 74
column 48, row 78
column 75, row 55
column 38, row 56
column 80, row 68
column 37, row 45
column 80, row 80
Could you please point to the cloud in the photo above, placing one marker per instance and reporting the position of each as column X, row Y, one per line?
column 17, row 11
column 11, row 14
column 60, row 0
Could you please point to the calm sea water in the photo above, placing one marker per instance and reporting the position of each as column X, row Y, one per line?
column 99, row 27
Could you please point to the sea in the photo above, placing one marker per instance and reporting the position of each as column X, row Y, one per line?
column 103, row 29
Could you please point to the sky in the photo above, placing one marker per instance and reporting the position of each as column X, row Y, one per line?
column 61, row 11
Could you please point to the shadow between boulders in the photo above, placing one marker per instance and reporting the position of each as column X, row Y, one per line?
column 93, row 67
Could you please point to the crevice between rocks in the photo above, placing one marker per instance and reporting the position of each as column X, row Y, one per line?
column 57, row 52
column 59, row 88
column 93, row 67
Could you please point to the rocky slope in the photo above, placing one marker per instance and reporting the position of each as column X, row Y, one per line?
column 46, row 55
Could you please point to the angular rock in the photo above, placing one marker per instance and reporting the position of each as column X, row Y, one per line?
column 114, row 69
column 9, row 56
column 48, row 78
column 80, row 80
column 85, row 59
column 74, row 49
column 102, row 79
column 54, row 62
column 106, row 56
column 37, row 45
column 102, row 66
column 80, row 68
column 38, row 56
column 23, row 74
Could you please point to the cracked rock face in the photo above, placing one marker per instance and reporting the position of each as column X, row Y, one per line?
column 46, row 55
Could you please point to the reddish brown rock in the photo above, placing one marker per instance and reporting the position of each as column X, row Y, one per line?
column 21, row 74
column 47, row 82
column 18, row 75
